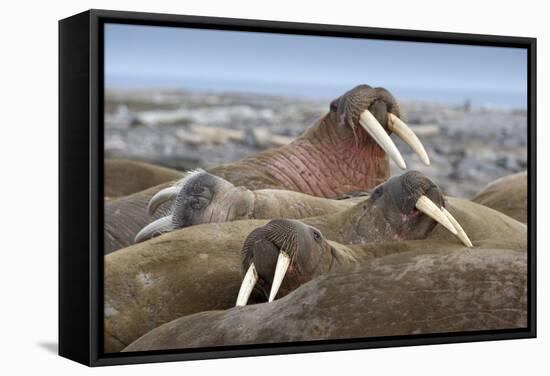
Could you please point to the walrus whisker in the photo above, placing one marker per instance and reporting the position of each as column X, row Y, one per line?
column 405, row 133
column 461, row 234
column 378, row 133
column 247, row 285
column 283, row 262
column 157, row 227
column 290, row 247
column 427, row 206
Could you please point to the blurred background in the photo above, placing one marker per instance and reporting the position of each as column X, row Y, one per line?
column 187, row 98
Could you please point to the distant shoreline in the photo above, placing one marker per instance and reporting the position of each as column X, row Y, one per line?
column 309, row 91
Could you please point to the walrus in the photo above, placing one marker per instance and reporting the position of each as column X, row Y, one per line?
column 204, row 198
column 124, row 177
column 199, row 268
column 344, row 151
column 426, row 290
column 201, row 197
column 283, row 254
column 508, row 195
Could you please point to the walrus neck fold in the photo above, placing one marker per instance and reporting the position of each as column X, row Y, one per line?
column 343, row 225
column 341, row 255
column 324, row 162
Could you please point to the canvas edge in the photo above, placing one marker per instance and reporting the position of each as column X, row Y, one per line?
column 74, row 186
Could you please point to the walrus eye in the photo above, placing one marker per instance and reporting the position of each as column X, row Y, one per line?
column 316, row 235
column 377, row 193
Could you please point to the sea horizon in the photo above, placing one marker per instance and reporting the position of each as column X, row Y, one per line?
column 316, row 91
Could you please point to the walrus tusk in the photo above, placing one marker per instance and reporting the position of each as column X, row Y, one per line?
column 426, row 206
column 161, row 197
column 461, row 234
column 154, row 228
column 247, row 285
column 378, row 133
column 283, row 262
column 405, row 133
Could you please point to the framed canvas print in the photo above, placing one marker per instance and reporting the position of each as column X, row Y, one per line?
column 240, row 187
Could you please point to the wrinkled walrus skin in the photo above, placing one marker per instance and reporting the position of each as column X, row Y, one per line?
column 423, row 291
column 124, row 177
column 199, row 268
column 508, row 195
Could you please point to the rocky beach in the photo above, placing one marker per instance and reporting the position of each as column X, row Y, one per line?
column 469, row 146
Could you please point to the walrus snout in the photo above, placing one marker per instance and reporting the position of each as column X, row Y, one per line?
column 422, row 204
column 377, row 113
column 351, row 104
column 408, row 188
column 281, row 248
column 210, row 199
column 378, row 101
column 263, row 245
column 379, row 108
column 406, row 207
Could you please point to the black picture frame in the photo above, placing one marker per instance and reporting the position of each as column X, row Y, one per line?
column 81, row 184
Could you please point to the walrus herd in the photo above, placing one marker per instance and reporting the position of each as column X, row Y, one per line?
column 309, row 241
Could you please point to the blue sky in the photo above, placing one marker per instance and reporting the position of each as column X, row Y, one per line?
column 150, row 56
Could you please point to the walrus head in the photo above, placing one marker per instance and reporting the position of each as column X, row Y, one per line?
column 288, row 247
column 371, row 115
column 405, row 207
column 199, row 197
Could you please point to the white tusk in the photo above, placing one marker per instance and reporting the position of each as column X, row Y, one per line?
column 161, row 197
column 159, row 226
column 461, row 234
column 247, row 285
column 403, row 131
column 426, row 206
column 283, row 262
column 379, row 134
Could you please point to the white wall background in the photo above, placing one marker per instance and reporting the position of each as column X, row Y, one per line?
column 28, row 170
